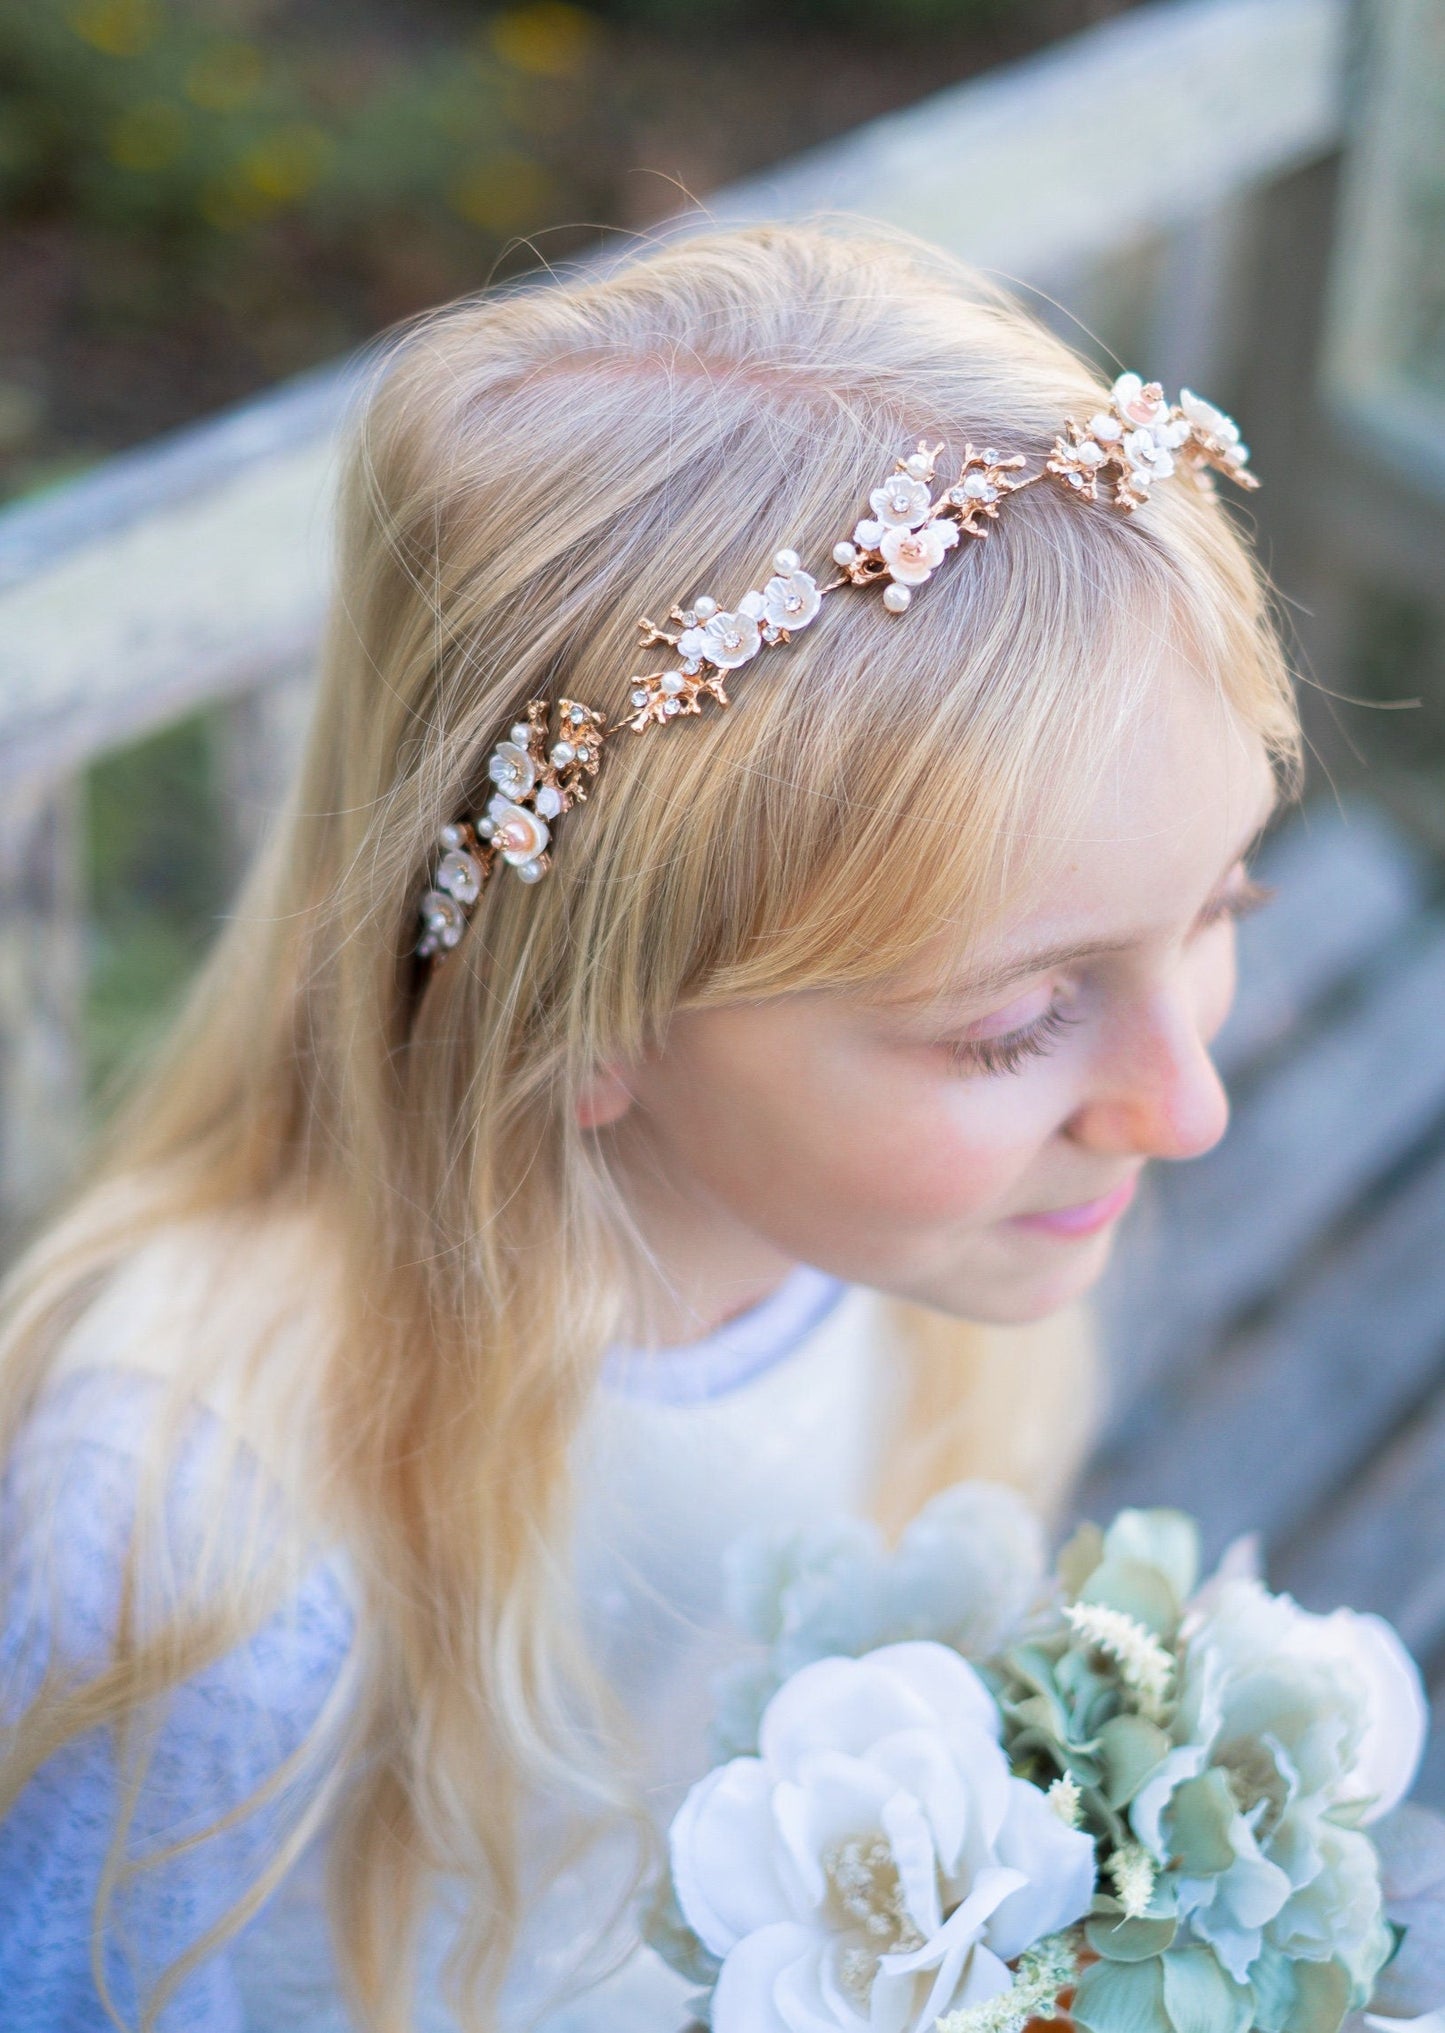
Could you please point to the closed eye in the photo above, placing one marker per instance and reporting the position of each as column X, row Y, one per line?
column 1007, row 1053
column 1246, row 897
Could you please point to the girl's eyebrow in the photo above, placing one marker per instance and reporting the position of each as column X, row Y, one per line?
column 971, row 987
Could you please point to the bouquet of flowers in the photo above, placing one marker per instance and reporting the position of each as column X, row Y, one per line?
column 961, row 1794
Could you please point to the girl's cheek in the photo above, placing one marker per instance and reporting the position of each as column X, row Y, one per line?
column 956, row 1148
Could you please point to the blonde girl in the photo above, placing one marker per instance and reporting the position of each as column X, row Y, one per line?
column 379, row 1413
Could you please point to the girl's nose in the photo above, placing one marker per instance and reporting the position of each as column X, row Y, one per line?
column 1157, row 1094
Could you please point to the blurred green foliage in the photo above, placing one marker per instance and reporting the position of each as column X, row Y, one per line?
column 155, row 876
column 173, row 120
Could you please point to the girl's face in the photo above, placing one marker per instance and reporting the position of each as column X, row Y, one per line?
column 969, row 1138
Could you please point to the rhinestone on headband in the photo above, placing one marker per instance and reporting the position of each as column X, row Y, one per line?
column 1137, row 441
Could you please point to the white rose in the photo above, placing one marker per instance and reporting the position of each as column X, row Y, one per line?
column 901, row 502
column 791, row 600
column 876, row 1865
column 913, row 555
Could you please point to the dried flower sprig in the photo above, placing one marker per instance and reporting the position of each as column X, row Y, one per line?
column 1146, row 1667
column 1043, row 1971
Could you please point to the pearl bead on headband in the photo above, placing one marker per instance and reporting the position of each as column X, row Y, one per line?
column 1126, row 449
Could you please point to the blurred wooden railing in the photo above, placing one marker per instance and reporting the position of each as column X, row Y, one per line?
column 1166, row 175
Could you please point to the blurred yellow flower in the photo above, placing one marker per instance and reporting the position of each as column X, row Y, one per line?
column 505, row 192
column 231, row 204
column 286, row 164
column 548, row 37
column 149, row 136
column 119, row 27
column 226, row 76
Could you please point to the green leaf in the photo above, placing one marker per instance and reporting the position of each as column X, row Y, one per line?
column 1124, row 1940
column 1041, row 1712
column 1298, row 1997
column 1202, row 1813
column 1141, row 1591
column 1168, row 1540
column 1130, row 1748
column 1201, row 1997
column 1080, row 1556
column 1121, row 1997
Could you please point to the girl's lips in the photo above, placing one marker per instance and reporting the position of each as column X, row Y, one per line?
column 1085, row 1219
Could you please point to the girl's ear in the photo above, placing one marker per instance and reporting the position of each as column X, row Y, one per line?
column 604, row 1099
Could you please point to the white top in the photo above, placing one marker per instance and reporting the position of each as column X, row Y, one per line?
column 777, row 1418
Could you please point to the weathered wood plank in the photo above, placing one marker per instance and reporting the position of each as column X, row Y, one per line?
column 1256, row 1437
column 1381, row 1543
column 42, row 983
column 1379, row 365
column 208, row 596
column 1350, row 1101
column 1007, row 170
column 177, row 467
column 1347, row 881
column 260, row 735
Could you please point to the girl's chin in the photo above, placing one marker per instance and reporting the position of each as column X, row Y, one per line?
column 1019, row 1285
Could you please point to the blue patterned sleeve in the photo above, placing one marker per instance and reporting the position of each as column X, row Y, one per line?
column 68, row 1502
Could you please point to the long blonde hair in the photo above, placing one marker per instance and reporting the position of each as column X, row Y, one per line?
column 531, row 471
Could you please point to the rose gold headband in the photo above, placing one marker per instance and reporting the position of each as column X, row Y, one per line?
column 1139, row 440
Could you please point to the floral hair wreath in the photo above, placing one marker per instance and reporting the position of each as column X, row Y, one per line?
column 1125, row 449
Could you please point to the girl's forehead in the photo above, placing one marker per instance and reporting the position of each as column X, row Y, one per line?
column 1173, row 810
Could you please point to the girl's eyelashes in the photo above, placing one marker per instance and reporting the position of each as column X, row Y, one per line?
column 1242, row 901
column 1006, row 1053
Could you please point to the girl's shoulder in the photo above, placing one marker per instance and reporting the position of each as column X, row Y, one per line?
column 118, row 1501
column 123, row 1508
column 162, row 1465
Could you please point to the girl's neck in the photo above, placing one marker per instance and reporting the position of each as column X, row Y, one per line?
column 703, row 1267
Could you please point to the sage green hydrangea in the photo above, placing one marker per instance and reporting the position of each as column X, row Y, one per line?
column 1291, row 1732
column 1226, row 1749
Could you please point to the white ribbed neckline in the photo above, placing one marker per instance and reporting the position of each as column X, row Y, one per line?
column 733, row 1354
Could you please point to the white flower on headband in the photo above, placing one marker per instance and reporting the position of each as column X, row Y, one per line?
column 1210, row 422
column 461, row 875
column 442, row 923
column 913, row 555
column 791, row 599
column 1143, row 438
column 511, row 768
column 727, row 641
column 1139, row 402
column 902, row 502
column 1149, row 459
column 520, row 835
